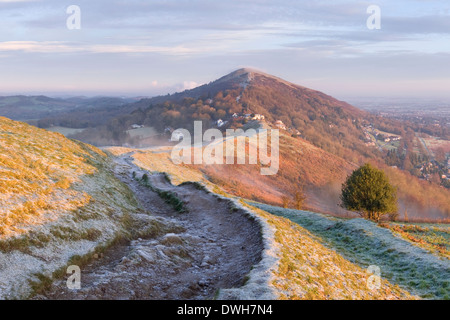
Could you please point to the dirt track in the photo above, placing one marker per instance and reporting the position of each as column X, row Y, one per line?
column 207, row 248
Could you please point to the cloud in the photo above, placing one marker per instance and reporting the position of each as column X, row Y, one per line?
column 161, row 43
column 62, row 47
column 187, row 85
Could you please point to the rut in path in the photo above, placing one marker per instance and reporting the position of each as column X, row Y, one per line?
column 207, row 248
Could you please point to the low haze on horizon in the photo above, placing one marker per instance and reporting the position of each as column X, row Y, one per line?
column 137, row 48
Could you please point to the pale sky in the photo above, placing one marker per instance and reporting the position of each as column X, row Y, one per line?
column 160, row 46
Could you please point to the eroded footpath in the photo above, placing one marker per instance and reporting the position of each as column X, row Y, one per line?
column 211, row 246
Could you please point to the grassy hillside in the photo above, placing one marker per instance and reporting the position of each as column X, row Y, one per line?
column 32, row 107
column 322, row 171
column 310, row 270
column 413, row 265
column 301, row 165
column 432, row 237
column 60, row 204
column 37, row 169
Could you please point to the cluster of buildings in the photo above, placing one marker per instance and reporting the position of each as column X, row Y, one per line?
column 255, row 116
column 387, row 138
column 447, row 175
column 280, row 125
column 430, row 168
column 371, row 135
column 249, row 116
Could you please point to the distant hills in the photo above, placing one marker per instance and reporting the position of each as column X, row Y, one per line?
column 20, row 107
column 32, row 107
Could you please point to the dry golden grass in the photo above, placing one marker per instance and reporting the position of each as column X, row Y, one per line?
column 117, row 151
column 37, row 169
column 301, row 164
column 434, row 238
column 161, row 162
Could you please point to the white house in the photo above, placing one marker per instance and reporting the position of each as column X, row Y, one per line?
column 258, row 117
column 220, row 123
column 176, row 136
column 279, row 124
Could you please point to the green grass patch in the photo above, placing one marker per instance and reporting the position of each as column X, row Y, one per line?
column 168, row 196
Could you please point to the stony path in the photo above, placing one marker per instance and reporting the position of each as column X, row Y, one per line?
column 204, row 249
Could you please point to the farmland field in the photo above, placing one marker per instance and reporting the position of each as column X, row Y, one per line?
column 144, row 133
column 434, row 143
column 65, row 131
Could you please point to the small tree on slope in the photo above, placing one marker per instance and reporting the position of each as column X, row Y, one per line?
column 368, row 192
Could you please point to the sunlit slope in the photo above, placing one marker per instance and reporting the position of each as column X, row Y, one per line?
column 37, row 168
column 59, row 202
column 300, row 164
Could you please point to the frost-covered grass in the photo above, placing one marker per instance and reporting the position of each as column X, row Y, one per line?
column 365, row 243
column 30, row 260
column 60, row 203
column 37, row 169
column 309, row 270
